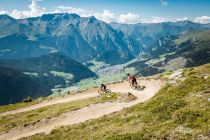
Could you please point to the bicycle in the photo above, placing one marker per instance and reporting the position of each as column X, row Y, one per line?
column 101, row 92
column 136, row 86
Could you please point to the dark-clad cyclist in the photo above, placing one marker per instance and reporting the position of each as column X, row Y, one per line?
column 103, row 87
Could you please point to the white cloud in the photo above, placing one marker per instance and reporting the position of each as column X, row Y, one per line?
column 163, row 3
column 106, row 15
column 158, row 20
column 129, row 18
column 202, row 19
column 79, row 11
column 109, row 16
column 3, row 12
column 182, row 19
column 34, row 10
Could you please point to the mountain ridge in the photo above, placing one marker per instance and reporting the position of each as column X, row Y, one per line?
column 70, row 34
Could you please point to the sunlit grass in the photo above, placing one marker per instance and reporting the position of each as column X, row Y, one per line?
column 26, row 118
column 20, row 105
column 178, row 111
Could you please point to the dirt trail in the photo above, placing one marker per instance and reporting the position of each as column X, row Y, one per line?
column 89, row 112
column 80, row 96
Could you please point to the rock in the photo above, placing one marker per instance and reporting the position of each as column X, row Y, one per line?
column 183, row 130
column 74, row 109
column 206, row 77
column 176, row 75
column 48, row 118
column 128, row 97
column 34, row 123
column 93, row 129
column 202, row 137
column 25, row 125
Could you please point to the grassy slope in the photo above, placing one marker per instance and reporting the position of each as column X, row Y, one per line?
column 178, row 111
column 31, row 117
column 188, row 50
column 194, row 35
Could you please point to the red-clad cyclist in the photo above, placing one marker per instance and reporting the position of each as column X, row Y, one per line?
column 132, row 79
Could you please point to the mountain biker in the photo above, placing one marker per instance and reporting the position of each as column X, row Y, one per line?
column 132, row 79
column 103, row 87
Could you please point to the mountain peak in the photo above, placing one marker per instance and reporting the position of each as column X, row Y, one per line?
column 91, row 19
column 5, row 16
column 60, row 15
column 186, row 21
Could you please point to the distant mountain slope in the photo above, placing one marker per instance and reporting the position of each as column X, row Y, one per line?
column 47, row 64
column 85, row 38
column 196, row 47
column 15, row 86
column 157, row 29
column 79, row 38
column 36, row 76
column 187, row 50
column 9, row 25
column 155, row 36
column 19, row 46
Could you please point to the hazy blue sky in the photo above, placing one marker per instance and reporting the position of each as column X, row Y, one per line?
column 124, row 11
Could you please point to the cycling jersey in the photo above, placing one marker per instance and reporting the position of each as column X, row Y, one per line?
column 131, row 78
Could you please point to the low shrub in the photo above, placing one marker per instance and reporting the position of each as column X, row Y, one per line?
column 28, row 99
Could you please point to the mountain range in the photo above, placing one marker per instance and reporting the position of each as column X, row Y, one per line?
column 70, row 34
column 52, row 49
